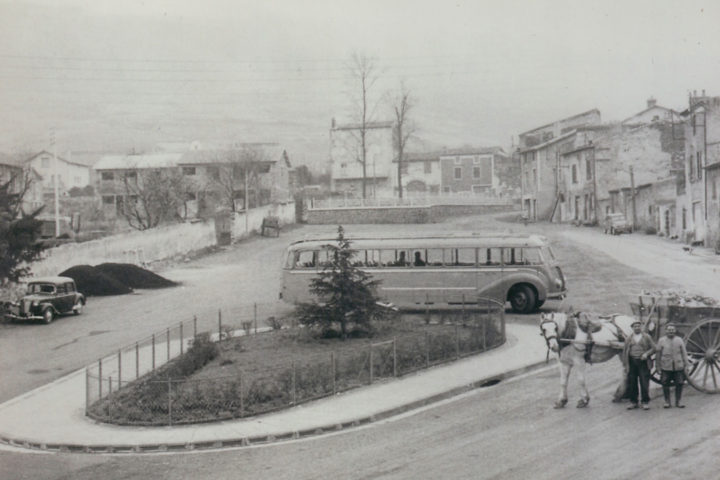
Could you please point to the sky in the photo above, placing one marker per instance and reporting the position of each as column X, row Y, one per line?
column 120, row 76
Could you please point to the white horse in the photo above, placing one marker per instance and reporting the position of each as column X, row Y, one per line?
column 580, row 341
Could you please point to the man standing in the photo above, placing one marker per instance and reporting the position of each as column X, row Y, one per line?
column 638, row 348
column 672, row 361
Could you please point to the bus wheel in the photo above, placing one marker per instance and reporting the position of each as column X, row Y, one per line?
column 522, row 299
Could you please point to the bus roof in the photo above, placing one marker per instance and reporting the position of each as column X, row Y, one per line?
column 439, row 241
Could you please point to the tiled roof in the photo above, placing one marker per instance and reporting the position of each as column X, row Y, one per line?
column 269, row 152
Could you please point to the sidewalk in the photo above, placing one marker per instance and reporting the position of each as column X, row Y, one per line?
column 52, row 417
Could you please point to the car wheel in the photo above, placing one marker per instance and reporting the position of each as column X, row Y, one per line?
column 48, row 316
column 77, row 309
column 522, row 299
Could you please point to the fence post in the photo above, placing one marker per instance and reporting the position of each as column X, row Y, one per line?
column 463, row 309
column 109, row 384
column 294, row 379
column 119, row 368
column 100, row 378
column 242, row 406
column 153, row 352
column 194, row 326
column 371, row 364
column 169, row 401
column 333, row 371
column 394, row 357
column 483, row 326
column 182, row 340
column 167, row 337
column 219, row 325
column 427, row 349
column 137, row 360
column 87, row 389
column 457, row 341
column 255, row 316
column 427, row 308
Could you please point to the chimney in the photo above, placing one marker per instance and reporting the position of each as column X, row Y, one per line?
column 651, row 102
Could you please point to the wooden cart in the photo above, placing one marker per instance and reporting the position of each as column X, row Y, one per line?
column 697, row 323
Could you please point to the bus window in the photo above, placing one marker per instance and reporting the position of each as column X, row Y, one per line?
column 325, row 258
column 490, row 256
column 389, row 258
column 306, row 259
column 531, row 256
column 511, row 256
column 434, row 257
column 463, row 257
column 371, row 258
column 418, row 259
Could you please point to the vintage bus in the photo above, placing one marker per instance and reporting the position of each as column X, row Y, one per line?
column 438, row 272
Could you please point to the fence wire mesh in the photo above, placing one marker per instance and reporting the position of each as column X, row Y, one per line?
column 152, row 383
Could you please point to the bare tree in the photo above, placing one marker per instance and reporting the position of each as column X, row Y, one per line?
column 363, row 71
column 403, row 129
column 154, row 196
column 238, row 172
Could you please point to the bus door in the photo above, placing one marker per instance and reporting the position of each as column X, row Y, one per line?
column 491, row 273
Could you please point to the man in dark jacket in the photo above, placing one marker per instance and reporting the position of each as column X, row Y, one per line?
column 638, row 348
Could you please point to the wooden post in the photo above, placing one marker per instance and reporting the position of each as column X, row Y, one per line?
column 137, row 360
column 100, row 378
column 294, row 379
column 371, row 364
column 169, row 401
column 119, row 368
column 484, row 334
column 219, row 325
column 457, row 342
column 333, row 371
column 167, row 338
column 255, row 316
column 427, row 307
column 194, row 326
column 394, row 357
column 87, row 389
column 242, row 405
column 153, row 352
column 182, row 347
column 427, row 349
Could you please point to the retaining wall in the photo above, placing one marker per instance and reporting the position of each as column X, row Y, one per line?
column 426, row 214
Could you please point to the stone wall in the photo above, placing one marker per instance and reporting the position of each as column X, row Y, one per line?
column 432, row 214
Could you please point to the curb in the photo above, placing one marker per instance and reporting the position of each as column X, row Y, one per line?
column 267, row 439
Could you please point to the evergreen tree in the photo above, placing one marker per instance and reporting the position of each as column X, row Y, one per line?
column 346, row 293
column 18, row 235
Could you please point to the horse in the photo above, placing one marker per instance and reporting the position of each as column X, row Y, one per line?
column 579, row 341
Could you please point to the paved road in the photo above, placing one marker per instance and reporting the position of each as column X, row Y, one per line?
column 506, row 431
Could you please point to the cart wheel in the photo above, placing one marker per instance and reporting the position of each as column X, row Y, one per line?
column 703, row 348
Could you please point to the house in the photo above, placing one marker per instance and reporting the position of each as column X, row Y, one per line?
column 698, row 208
column 599, row 164
column 347, row 174
column 539, row 150
column 113, row 171
column 69, row 173
column 24, row 179
column 420, row 173
column 489, row 171
column 217, row 173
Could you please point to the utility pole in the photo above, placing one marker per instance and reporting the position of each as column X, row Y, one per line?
column 632, row 193
column 55, row 184
column 595, row 195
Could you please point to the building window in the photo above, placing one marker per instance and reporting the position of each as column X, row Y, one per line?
column 428, row 167
column 108, row 199
column 190, row 196
column 476, row 159
column 476, row 172
column 446, row 189
column 535, row 177
column 684, row 218
column 343, row 165
column 213, row 173
column 714, row 190
column 699, row 165
column 106, row 176
column 458, row 173
column 188, row 170
column 588, row 170
column 649, row 209
column 130, row 175
column 458, row 161
column 693, row 124
column 574, row 174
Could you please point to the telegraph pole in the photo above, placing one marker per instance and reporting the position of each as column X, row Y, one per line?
column 55, row 184
column 632, row 193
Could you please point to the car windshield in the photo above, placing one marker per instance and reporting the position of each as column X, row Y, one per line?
column 41, row 288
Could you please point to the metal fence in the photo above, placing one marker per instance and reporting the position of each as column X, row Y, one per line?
column 158, row 399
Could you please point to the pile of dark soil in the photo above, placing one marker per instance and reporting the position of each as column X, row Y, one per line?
column 134, row 276
column 92, row 282
column 114, row 279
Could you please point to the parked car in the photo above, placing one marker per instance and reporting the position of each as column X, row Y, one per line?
column 47, row 298
column 616, row 223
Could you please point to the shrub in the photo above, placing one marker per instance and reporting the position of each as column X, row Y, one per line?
column 202, row 350
column 651, row 230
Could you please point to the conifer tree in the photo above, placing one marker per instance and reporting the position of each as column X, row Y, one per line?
column 19, row 233
column 346, row 295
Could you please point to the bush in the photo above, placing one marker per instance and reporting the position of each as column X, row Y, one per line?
column 651, row 230
column 202, row 350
